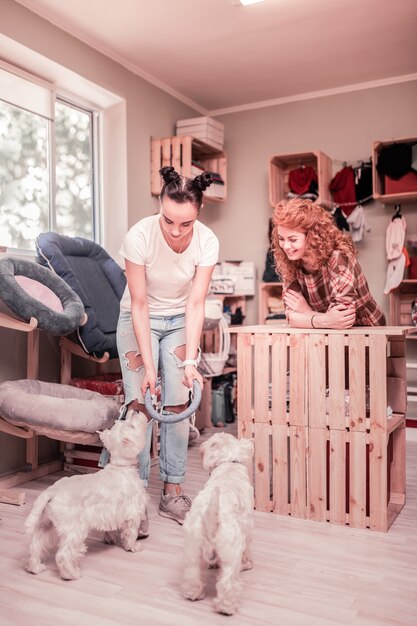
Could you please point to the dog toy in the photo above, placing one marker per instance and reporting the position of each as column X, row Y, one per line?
column 173, row 418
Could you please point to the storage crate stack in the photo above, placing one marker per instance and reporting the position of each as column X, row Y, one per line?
column 212, row 133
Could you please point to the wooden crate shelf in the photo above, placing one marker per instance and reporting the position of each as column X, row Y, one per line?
column 265, row 291
column 315, row 402
column 179, row 152
column 281, row 165
column 378, row 181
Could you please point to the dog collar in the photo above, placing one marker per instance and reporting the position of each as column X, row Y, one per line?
column 122, row 465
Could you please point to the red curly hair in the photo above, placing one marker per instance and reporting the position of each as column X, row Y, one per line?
column 322, row 235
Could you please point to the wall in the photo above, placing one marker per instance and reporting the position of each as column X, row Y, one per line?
column 343, row 127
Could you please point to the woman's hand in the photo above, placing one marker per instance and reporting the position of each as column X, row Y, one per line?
column 340, row 317
column 149, row 380
column 191, row 373
column 295, row 301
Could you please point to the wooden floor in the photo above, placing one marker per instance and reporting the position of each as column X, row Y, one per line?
column 304, row 572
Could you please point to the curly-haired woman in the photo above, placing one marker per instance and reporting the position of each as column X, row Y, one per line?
column 169, row 259
column 324, row 285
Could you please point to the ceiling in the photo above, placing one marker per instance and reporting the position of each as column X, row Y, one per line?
column 217, row 56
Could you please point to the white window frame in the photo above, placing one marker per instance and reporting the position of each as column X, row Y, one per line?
column 111, row 134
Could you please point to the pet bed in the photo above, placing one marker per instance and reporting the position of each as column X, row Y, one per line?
column 98, row 281
column 57, row 411
column 31, row 291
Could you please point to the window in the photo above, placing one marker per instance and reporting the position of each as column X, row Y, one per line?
column 47, row 166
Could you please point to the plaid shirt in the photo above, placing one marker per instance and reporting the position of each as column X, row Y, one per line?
column 341, row 281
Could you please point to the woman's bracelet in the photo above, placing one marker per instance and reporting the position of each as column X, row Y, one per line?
column 190, row 362
column 194, row 362
column 311, row 321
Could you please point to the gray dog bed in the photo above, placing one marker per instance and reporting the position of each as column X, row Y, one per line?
column 58, row 411
column 30, row 290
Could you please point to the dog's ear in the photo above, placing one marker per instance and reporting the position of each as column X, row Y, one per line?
column 247, row 447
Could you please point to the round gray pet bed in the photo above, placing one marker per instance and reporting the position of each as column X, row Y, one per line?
column 58, row 411
column 30, row 290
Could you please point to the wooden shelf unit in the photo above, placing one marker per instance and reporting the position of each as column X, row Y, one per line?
column 281, row 165
column 179, row 152
column 378, row 180
column 400, row 300
column 265, row 290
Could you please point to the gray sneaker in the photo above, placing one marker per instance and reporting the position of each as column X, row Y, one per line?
column 174, row 506
column 143, row 531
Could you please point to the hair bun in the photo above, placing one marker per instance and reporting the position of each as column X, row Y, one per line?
column 203, row 181
column 169, row 174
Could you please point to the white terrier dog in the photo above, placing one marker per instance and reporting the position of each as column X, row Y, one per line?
column 219, row 524
column 109, row 500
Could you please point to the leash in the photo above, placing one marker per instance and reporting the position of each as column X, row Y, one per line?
column 173, row 418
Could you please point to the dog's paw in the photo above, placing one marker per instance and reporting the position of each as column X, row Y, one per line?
column 137, row 547
column 70, row 574
column 225, row 606
column 246, row 564
column 35, row 568
column 196, row 592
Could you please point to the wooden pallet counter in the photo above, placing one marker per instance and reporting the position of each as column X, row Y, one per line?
column 327, row 412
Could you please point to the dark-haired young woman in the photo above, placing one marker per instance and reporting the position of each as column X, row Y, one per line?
column 169, row 262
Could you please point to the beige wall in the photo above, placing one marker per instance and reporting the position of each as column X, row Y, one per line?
column 343, row 127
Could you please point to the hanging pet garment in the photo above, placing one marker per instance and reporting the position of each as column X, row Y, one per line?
column 173, row 418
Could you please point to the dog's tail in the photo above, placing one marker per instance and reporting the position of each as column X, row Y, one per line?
column 34, row 517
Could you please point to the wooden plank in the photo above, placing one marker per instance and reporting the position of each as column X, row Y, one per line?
column 261, row 378
column 33, row 355
column 176, row 153
column 166, row 151
column 279, row 367
column 398, row 465
column 336, row 371
column 155, row 166
column 19, row 478
column 357, row 479
column 337, row 477
column 317, row 479
column 187, row 150
column 8, row 321
column 357, row 383
column 244, row 378
column 316, row 381
column 262, row 467
column 298, row 415
column 378, row 452
column 12, row 496
column 298, row 471
column 280, row 469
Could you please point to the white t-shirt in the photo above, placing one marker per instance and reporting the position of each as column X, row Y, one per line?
column 169, row 275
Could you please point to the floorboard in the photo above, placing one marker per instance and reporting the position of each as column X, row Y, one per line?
column 305, row 573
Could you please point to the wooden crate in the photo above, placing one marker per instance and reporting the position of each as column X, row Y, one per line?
column 316, row 404
column 281, row 165
column 378, row 181
column 180, row 152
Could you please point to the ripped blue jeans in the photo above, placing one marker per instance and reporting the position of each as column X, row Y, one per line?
column 167, row 335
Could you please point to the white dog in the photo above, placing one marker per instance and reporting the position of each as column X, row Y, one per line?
column 109, row 500
column 219, row 524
